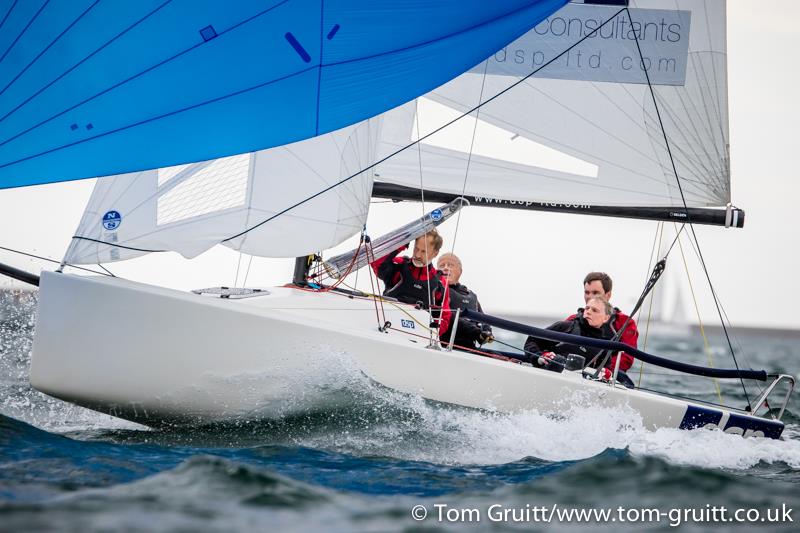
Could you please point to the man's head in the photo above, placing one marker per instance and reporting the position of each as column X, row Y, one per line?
column 450, row 264
column 426, row 248
column 597, row 284
column 597, row 311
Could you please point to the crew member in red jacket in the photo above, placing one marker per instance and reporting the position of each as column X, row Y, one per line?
column 415, row 280
column 599, row 284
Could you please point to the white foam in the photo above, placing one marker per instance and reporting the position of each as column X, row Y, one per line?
column 715, row 449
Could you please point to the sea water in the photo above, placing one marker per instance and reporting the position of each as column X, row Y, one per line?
column 378, row 460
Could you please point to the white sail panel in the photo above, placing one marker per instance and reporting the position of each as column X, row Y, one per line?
column 584, row 129
column 190, row 208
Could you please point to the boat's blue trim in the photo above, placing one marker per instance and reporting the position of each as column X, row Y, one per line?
column 750, row 425
column 699, row 417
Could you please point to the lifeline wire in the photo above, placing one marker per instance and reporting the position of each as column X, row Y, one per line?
column 54, row 261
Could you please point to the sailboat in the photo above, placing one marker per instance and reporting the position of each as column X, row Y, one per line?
column 594, row 108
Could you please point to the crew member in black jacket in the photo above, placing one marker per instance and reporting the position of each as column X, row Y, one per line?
column 470, row 334
column 593, row 322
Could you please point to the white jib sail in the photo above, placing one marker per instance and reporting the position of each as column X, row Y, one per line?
column 190, row 208
column 584, row 129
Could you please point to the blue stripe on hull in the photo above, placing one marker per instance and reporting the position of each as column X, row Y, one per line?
column 751, row 426
column 697, row 417
column 748, row 426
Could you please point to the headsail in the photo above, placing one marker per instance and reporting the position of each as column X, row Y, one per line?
column 191, row 208
column 98, row 88
column 626, row 107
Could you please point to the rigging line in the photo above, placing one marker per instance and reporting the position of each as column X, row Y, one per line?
column 107, row 270
column 425, row 236
column 677, row 235
column 647, row 115
column 705, row 173
column 25, row 29
column 373, row 285
column 347, row 199
column 116, row 245
column 249, row 193
column 440, row 128
column 689, row 221
column 741, row 348
column 711, row 51
column 709, row 124
column 238, row 264
column 622, row 110
column 606, row 132
column 713, row 65
column 711, row 173
column 555, row 143
column 524, row 351
column 509, row 168
column 727, row 320
column 469, row 154
column 680, row 92
column 656, row 240
column 700, row 320
column 51, row 260
column 46, row 48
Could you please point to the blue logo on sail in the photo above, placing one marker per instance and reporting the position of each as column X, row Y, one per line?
column 112, row 220
column 436, row 214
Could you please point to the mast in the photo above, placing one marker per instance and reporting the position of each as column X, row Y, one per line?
column 730, row 217
column 301, row 267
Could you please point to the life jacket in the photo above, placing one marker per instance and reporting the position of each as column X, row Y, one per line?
column 411, row 290
column 463, row 298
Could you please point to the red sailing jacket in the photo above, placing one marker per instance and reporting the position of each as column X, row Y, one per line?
column 630, row 337
column 420, row 274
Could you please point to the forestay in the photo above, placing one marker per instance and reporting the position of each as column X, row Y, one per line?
column 584, row 128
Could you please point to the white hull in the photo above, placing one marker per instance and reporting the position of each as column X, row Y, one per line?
column 155, row 355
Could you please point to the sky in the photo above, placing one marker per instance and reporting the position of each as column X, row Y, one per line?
column 533, row 263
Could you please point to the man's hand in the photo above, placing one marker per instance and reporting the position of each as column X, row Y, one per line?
column 485, row 334
column 605, row 374
column 545, row 358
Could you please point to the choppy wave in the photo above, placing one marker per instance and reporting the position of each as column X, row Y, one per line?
column 359, row 459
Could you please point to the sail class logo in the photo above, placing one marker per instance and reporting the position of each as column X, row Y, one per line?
column 112, row 220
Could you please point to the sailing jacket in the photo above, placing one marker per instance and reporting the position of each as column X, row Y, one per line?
column 574, row 326
column 409, row 284
column 630, row 337
column 468, row 332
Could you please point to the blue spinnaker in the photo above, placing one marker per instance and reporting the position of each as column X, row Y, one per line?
column 92, row 88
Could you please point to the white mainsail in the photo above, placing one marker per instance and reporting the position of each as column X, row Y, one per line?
column 583, row 129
